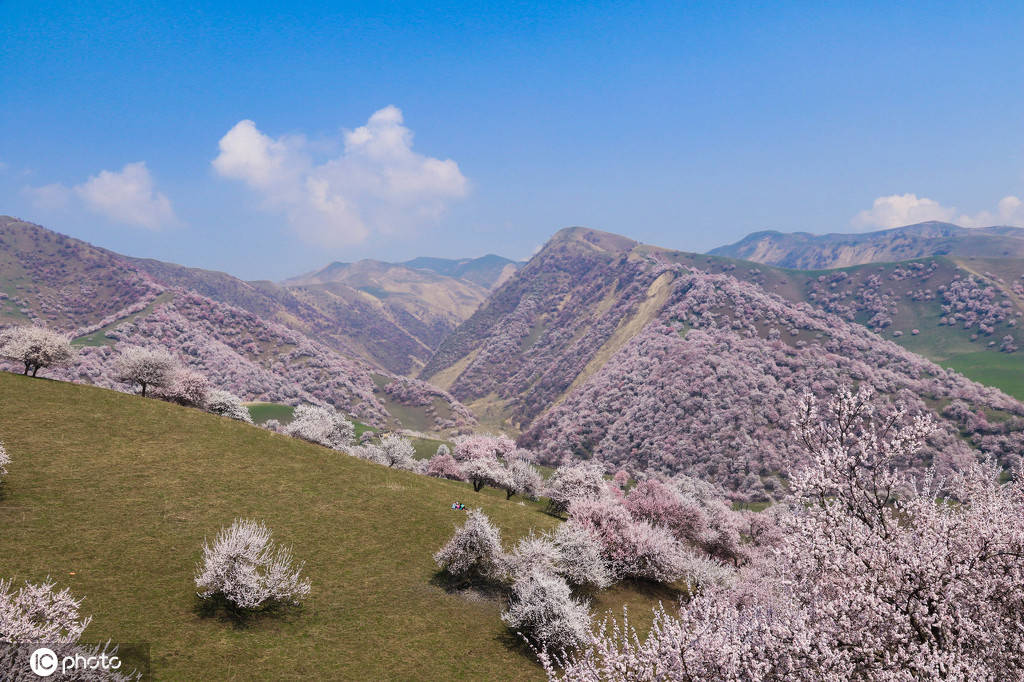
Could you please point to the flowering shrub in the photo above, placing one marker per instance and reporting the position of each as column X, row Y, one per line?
column 573, row 482
column 474, row 552
column 228, row 405
column 542, row 608
column 247, row 569
column 322, row 425
column 578, row 557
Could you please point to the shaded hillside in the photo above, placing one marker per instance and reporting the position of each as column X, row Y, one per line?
column 804, row 251
column 601, row 347
column 391, row 316
column 107, row 303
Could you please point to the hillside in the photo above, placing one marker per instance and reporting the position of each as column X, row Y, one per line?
column 141, row 483
column 392, row 316
column 601, row 347
column 963, row 313
column 804, row 251
column 389, row 315
column 63, row 282
column 106, row 303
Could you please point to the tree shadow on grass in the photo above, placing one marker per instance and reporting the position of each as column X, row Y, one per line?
column 517, row 644
column 667, row 594
column 474, row 587
column 221, row 608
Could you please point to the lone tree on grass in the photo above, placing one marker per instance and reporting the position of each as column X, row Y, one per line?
column 248, row 570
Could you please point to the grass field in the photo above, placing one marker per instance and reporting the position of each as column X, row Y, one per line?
column 262, row 412
column 1002, row 370
column 122, row 490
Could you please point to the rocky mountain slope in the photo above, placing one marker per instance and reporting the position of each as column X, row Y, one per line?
column 804, row 251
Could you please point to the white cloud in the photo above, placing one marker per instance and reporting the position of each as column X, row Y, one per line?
column 901, row 209
column 898, row 210
column 127, row 196
column 377, row 185
column 1009, row 211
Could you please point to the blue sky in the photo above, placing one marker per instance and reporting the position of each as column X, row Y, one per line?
column 266, row 141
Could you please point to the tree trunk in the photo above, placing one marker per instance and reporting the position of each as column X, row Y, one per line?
column 477, row 485
column 509, row 494
column 27, row 367
column 143, row 383
column 35, row 369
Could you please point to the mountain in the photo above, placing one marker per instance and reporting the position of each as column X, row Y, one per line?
column 391, row 316
column 488, row 271
column 600, row 347
column 106, row 301
column 804, row 251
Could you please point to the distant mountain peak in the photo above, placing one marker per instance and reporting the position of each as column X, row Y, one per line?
column 805, row 251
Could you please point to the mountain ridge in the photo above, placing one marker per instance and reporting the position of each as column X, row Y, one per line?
column 806, row 251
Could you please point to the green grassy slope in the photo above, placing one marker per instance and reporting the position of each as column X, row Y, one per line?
column 122, row 490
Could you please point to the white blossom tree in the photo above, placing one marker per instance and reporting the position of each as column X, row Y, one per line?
column 185, row 387
column 521, row 478
column 578, row 557
column 481, row 471
column 397, row 452
column 474, row 552
column 146, row 367
column 322, row 425
column 39, row 613
column 35, row 347
column 247, row 569
column 228, row 405
column 581, row 480
column 543, row 609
